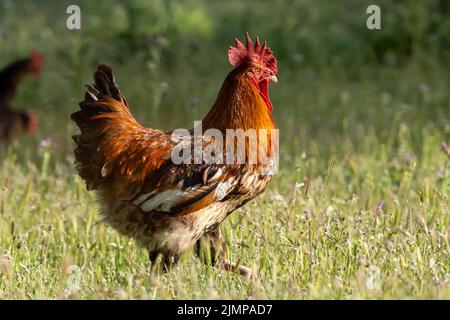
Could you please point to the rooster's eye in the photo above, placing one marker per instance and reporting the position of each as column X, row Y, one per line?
column 255, row 73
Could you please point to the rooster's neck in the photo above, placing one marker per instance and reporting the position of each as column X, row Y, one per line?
column 239, row 105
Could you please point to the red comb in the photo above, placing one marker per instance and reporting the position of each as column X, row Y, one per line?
column 252, row 52
column 36, row 62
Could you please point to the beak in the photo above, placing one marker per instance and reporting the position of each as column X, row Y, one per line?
column 273, row 78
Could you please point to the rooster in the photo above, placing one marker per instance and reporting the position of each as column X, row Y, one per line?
column 166, row 207
column 15, row 122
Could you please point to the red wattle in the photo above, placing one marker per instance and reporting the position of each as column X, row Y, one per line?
column 264, row 91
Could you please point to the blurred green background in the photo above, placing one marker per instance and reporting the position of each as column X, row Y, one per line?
column 337, row 79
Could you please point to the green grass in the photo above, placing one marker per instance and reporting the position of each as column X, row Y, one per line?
column 359, row 209
column 319, row 232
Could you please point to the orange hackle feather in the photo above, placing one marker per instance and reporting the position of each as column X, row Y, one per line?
column 239, row 106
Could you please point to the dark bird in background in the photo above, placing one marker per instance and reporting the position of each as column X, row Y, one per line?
column 170, row 208
column 15, row 122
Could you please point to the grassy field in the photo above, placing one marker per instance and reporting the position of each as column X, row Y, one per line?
column 361, row 205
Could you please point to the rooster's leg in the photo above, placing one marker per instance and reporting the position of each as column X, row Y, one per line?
column 212, row 250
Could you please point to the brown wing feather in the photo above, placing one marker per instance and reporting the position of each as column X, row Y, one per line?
column 111, row 141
